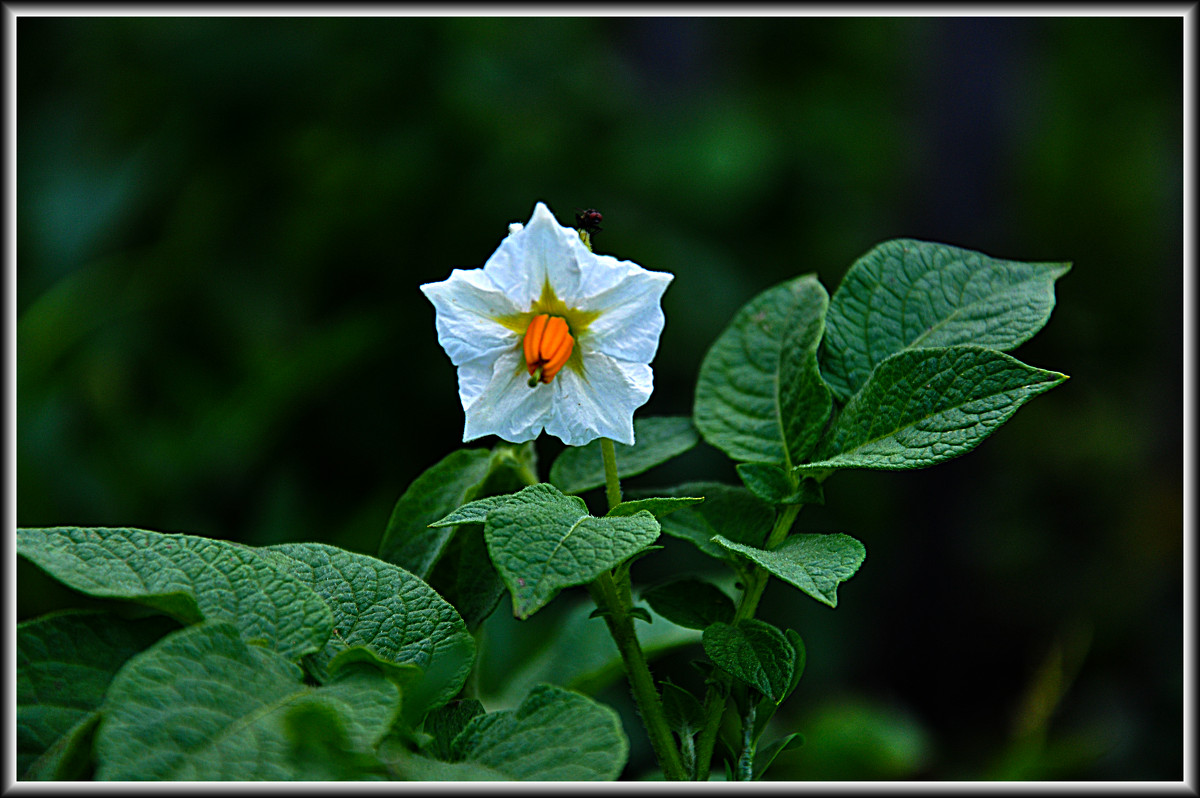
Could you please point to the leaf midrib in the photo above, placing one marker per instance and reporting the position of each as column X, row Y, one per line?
column 245, row 721
column 559, row 544
column 926, row 417
column 916, row 342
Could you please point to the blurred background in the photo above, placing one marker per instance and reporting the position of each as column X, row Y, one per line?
column 223, row 223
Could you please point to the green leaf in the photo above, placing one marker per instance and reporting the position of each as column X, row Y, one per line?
column 816, row 564
column 201, row 704
column 691, row 603
column 923, row 406
column 409, row 766
column 801, row 657
column 571, row 651
column 65, row 662
column 321, row 749
column 657, row 439
column 389, row 611
column 755, row 652
column 190, row 578
column 447, row 722
column 642, row 614
column 554, row 735
column 760, row 396
column 684, row 714
column 401, row 674
column 727, row 510
column 621, row 572
column 69, row 758
column 773, row 484
column 454, row 480
column 766, row 755
column 766, row 707
column 542, row 541
column 905, row 294
column 466, row 578
column 657, row 507
column 472, row 512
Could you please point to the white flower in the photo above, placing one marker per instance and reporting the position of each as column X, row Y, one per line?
column 593, row 323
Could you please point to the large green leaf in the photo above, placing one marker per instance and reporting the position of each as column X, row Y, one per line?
column 474, row 512
column 659, row 507
column 69, row 758
column 542, row 541
column 905, row 294
column 775, row 485
column 755, row 652
column 816, row 564
column 406, row 765
column 64, row 665
column 466, row 577
column 392, row 613
column 760, row 396
column 727, row 510
column 201, row 704
column 323, row 748
column 923, row 406
column 451, row 481
column 690, row 602
column 190, row 578
column 554, row 735
column 454, row 480
column 448, row 722
column 657, row 439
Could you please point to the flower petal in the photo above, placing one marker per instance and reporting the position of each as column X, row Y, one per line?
column 543, row 251
column 474, row 376
column 506, row 406
column 600, row 401
column 630, row 317
column 466, row 306
column 479, row 313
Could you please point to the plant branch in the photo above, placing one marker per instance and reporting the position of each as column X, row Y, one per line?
column 714, row 707
column 756, row 583
column 615, row 601
column 620, row 625
column 745, row 765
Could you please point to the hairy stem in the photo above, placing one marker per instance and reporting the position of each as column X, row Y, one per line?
column 620, row 625
column 756, row 583
column 615, row 601
column 714, row 707
column 757, row 580
column 745, row 765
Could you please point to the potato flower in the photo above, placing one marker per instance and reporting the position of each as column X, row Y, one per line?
column 548, row 335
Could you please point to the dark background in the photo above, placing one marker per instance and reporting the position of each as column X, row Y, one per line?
column 222, row 225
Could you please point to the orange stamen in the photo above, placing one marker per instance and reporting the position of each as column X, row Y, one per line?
column 548, row 345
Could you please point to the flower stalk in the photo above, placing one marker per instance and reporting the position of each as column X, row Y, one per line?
column 615, row 602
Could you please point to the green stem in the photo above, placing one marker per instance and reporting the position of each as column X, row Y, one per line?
column 615, row 602
column 745, row 765
column 714, row 706
column 608, row 598
column 757, row 580
column 756, row 583
column 612, row 483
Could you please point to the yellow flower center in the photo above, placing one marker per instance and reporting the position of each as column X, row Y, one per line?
column 548, row 345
